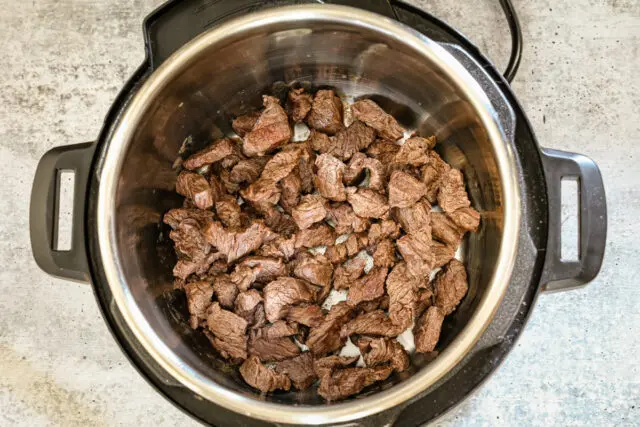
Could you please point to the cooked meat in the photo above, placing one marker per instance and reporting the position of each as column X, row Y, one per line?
column 229, row 331
column 248, row 170
column 424, row 300
column 299, row 369
column 318, row 235
column 386, row 229
column 452, row 195
column 189, row 242
column 281, row 247
column 213, row 153
column 262, row 378
column 174, row 217
column 467, row 219
column 308, row 314
column 405, row 190
column 195, row 188
column 385, row 254
column 277, row 329
column 442, row 253
column 270, row 131
column 328, row 364
column 280, row 294
column 385, row 152
column 372, row 323
column 185, row 267
column 226, row 183
column 347, row 274
column 414, row 218
column 378, row 351
column 315, row 269
column 312, row 209
column 291, row 188
column 415, row 151
column 299, row 104
column 355, row 243
column 375, row 117
column 427, row 330
column 432, row 172
column 281, row 165
column 242, row 125
column 343, row 383
column 326, row 112
column 329, row 178
column 271, row 348
column 367, row 203
column 345, row 220
column 416, row 251
column 225, row 291
column 445, row 230
column 236, row 244
column 257, row 269
column 337, row 254
column 325, row 337
column 349, row 141
column 199, row 296
column 229, row 212
column 401, row 287
column 262, row 194
column 368, row 288
column 450, row 286
column 246, row 304
column 356, row 171
column 279, row 222
column 319, row 141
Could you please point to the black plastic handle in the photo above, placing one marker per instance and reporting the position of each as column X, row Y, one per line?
column 559, row 274
column 176, row 22
column 44, row 210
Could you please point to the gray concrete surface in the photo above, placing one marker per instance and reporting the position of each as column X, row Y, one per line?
column 577, row 363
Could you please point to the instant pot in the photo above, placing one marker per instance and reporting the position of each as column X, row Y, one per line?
column 209, row 61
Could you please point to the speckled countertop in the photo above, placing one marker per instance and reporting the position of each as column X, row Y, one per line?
column 577, row 362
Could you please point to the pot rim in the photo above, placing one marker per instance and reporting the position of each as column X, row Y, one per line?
column 320, row 414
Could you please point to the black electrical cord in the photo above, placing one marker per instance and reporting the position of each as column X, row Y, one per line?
column 516, row 40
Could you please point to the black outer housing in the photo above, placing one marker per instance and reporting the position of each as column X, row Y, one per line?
column 538, row 259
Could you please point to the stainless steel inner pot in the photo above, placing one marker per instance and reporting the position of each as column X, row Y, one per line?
column 223, row 73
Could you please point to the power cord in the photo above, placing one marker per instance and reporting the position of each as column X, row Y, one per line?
column 516, row 40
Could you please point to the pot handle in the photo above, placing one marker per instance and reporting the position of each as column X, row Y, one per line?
column 176, row 22
column 559, row 274
column 44, row 210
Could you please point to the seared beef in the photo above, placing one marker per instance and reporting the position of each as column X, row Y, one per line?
column 246, row 304
column 445, row 230
column 175, row 216
column 280, row 294
column 315, row 269
column 189, row 242
column 278, row 329
column 291, row 187
column 195, row 188
column 337, row 254
column 386, row 229
column 326, row 112
column 414, row 218
column 452, row 195
column 355, row 243
column 318, row 235
column 349, row 141
column 372, row 323
column 279, row 222
column 415, row 151
column 385, row 254
column 270, row 131
column 229, row 212
column 225, row 291
column 424, row 300
column 401, row 287
column 427, row 330
column 329, row 178
column 385, row 152
column 442, row 253
column 270, row 347
column 236, row 244
column 299, row 104
column 242, row 125
column 325, row 337
column 299, row 369
column 450, row 286
column 213, row 153
column 282, row 164
column 199, row 296
column 356, row 171
column 309, row 315
column 343, row 383
column 312, row 209
column 281, row 247
column 375, row 117
column 378, row 351
column 262, row 378
column 367, row 203
column 347, row 274
column 229, row 331
column 368, row 288
column 326, row 365
column 248, row 170
column 467, row 219
column 262, row 195
column 185, row 267
column 257, row 269
column 432, row 172
column 345, row 220
column 416, row 251
column 405, row 190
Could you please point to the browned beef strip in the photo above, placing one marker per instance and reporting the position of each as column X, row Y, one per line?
column 318, row 235
column 347, row 274
column 315, row 269
column 385, row 254
column 467, row 219
column 229, row 328
column 345, row 220
column 175, row 216
column 236, row 244
column 375, row 117
column 450, row 286
column 272, row 349
column 215, row 152
column 229, row 212
column 257, row 269
column 326, row 112
column 308, row 314
column 242, row 125
column 328, row 364
column 270, row 131
column 427, row 330
column 405, row 190
column 369, row 287
column 299, row 369
column 342, row 383
column 262, row 378
column 329, row 177
column 424, row 300
column 196, row 188
column 356, row 171
column 416, row 251
column 325, row 337
column 372, row 323
column 442, row 253
column 246, row 303
column 225, row 290
column 414, row 218
column 299, row 104
column 452, row 195
column 401, row 287
column 367, row 203
column 415, row 151
column 378, row 351
column 284, row 292
column 312, row 209
column 445, row 230
column 199, row 296
column 189, row 241
column 248, row 170
column 291, row 188
column 432, row 172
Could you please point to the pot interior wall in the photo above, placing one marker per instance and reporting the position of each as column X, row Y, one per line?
column 227, row 80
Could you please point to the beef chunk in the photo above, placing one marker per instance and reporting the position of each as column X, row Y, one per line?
column 414, row 218
column 450, row 286
column 236, row 244
column 325, row 337
column 415, row 151
column 405, row 190
column 248, row 170
column 272, row 343
column 229, row 212
column 280, row 294
column 386, row 229
column 262, row 194
column 346, row 221
column 432, row 172
column 416, row 251
column 299, row 104
column 228, row 186
column 317, row 270
column 246, row 304
column 309, row 315
column 312, row 209
column 378, row 351
column 281, row 247
column 270, row 131
column 281, row 165
column 467, row 219
column 358, row 165
column 278, row 329
column 257, row 269
column 329, row 178
column 174, row 217
column 401, row 287
column 337, row 254
column 349, row 141
column 213, row 153
column 199, row 296
column 442, row 253
column 372, row 323
column 318, row 235
column 262, row 378
column 452, row 195
column 299, row 370
column 347, row 274
column 291, row 187
column 242, row 125
column 424, row 300
column 343, row 383
column 368, row 288
column 367, row 203
column 355, row 243
column 185, row 267
column 229, row 331
column 445, row 230
column 427, row 330
column 385, row 254
column 384, row 151
column 326, row 112
column 319, row 141
column 225, row 291
column 189, row 241
column 195, row 188
column 279, row 222
column 375, row 117
column 328, row 364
